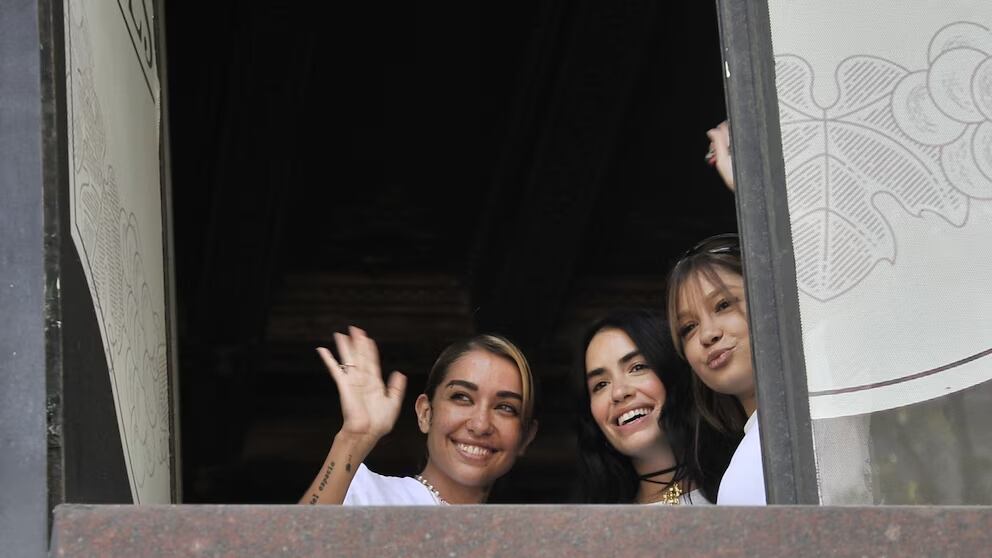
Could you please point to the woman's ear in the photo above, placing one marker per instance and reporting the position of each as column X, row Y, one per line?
column 528, row 438
column 423, row 409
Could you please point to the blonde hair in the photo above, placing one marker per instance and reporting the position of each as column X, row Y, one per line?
column 494, row 344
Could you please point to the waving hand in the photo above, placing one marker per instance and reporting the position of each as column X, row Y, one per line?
column 369, row 406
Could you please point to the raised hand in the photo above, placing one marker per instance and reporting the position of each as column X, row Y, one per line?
column 370, row 408
column 719, row 153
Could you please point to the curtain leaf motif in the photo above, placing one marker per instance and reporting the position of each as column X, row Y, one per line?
column 922, row 137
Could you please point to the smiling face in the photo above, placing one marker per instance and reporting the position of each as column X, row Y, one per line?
column 625, row 394
column 473, row 423
column 713, row 330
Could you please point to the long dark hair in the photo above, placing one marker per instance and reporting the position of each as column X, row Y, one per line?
column 608, row 476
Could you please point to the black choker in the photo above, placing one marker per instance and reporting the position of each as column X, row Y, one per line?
column 650, row 476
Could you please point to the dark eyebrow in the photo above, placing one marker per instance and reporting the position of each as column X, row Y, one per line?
column 463, row 383
column 630, row 356
column 473, row 387
column 595, row 372
column 623, row 360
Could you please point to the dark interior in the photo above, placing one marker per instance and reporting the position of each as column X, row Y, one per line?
column 424, row 171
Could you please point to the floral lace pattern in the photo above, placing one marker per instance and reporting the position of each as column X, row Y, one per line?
column 922, row 136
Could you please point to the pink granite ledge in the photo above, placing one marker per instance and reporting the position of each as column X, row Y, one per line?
column 609, row 531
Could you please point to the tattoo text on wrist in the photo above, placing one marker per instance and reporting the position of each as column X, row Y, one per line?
column 327, row 473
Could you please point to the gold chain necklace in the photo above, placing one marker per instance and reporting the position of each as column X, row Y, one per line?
column 671, row 496
column 433, row 491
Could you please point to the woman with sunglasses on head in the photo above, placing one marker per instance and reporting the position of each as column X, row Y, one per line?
column 639, row 440
column 708, row 320
column 476, row 410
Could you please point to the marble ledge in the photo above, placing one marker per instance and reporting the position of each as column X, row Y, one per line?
column 613, row 531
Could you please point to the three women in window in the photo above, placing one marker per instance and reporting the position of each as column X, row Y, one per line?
column 650, row 431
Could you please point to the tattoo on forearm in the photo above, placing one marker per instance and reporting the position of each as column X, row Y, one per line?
column 323, row 480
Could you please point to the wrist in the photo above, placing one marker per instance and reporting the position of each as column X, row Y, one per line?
column 355, row 442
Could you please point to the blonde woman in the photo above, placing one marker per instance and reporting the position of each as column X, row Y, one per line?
column 477, row 412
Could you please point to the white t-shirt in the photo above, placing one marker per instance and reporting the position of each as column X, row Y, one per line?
column 372, row 489
column 744, row 482
column 695, row 498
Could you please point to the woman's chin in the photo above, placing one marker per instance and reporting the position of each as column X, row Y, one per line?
column 473, row 476
column 639, row 443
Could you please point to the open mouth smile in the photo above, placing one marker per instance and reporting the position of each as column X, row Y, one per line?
column 633, row 415
column 474, row 452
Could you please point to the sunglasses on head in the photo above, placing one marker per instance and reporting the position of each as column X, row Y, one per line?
column 724, row 243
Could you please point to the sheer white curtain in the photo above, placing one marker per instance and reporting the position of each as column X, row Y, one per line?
column 886, row 119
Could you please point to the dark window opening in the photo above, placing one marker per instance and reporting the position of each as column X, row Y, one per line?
column 424, row 172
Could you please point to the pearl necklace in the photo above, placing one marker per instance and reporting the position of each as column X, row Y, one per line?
column 432, row 490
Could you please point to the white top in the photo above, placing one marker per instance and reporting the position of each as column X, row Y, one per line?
column 694, row 498
column 744, row 482
column 373, row 489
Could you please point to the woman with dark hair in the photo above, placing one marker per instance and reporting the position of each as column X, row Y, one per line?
column 640, row 440
column 477, row 411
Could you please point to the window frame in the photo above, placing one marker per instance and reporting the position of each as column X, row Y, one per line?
column 766, row 247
